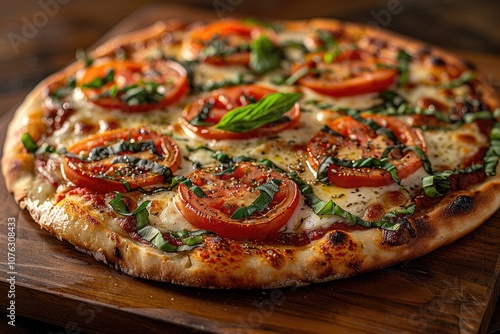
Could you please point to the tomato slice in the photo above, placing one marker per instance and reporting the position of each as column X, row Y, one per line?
column 352, row 72
column 225, row 193
column 351, row 139
column 133, row 86
column 113, row 160
column 224, row 42
column 219, row 102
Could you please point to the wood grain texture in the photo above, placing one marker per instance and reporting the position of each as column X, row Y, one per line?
column 451, row 290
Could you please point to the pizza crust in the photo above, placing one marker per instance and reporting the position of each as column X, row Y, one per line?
column 223, row 263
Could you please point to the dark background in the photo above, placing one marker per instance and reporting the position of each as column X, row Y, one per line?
column 38, row 37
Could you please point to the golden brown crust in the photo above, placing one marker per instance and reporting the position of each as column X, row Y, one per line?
column 223, row 263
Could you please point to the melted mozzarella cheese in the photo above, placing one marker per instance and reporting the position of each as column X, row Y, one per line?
column 445, row 149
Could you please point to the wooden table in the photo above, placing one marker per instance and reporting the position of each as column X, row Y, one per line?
column 451, row 290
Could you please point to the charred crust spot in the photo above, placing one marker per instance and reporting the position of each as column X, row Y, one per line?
column 401, row 236
column 437, row 61
column 338, row 238
column 462, row 204
column 116, row 252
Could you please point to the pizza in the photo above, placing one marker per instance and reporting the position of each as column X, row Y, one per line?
column 243, row 153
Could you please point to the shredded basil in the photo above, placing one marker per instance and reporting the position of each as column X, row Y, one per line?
column 241, row 79
column 383, row 163
column 492, row 155
column 321, row 207
column 266, row 195
column 83, row 56
column 464, row 78
column 327, row 39
column 380, row 130
column 404, row 60
column 187, row 239
column 264, row 56
column 187, row 182
column 99, row 82
column 267, row 110
column 219, row 47
column 201, row 118
column 29, row 143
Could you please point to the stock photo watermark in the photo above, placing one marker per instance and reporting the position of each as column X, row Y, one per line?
column 264, row 309
column 31, row 25
column 11, row 270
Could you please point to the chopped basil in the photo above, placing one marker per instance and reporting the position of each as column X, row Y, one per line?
column 187, row 239
column 147, row 92
column 201, row 118
column 321, row 207
column 383, row 163
column 241, row 79
column 296, row 76
column 102, row 152
column 187, row 182
column 266, row 195
column 83, row 56
column 29, row 143
column 267, row 110
column 492, row 155
column 464, row 78
column 380, row 130
column 327, row 39
column 473, row 116
column 99, row 82
column 264, row 56
column 404, row 60
column 220, row 47
column 437, row 185
column 143, row 164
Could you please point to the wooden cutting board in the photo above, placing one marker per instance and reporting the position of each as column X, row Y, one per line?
column 453, row 289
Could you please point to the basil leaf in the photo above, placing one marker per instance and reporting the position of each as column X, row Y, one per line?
column 464, row 78
column 437, row 185
column 83, row 56
column 101, row 81
column 187, row 182
column 201, row 118
column 267, row 110
column 492, row 155
column 150, row 233
column 267, row 192
column 404, row 60
column 29, row 143
column 370, row 162
column 264, row 56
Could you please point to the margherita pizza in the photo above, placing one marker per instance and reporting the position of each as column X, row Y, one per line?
column 251, row 154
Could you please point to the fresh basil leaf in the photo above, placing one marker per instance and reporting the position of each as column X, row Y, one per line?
column 99, row 82
column 492, row 155
column 264, row 56
column 370, row 162
column 201, row 118
column 464, row 78
column 266, row 195
column 83, row 56
column 471, row 117
column 404, row 60
column 29, row 143
column 267, row 110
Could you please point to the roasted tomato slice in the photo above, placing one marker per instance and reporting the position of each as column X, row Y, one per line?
column 212, row 107
column 224, row 42
column 351, row 139
column 349, row 73
column 133, row 86
column 224, row 193
column 119, row 160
